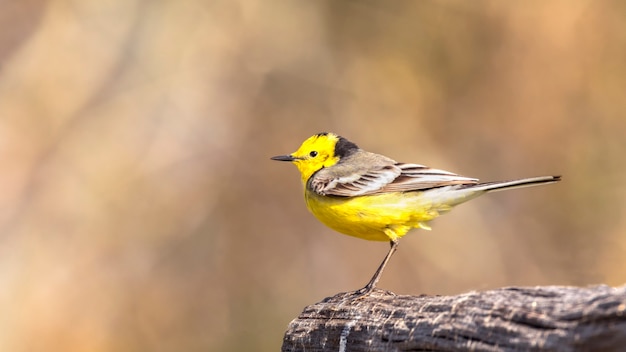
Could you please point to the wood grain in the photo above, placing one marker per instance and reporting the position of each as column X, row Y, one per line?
column 550, row 318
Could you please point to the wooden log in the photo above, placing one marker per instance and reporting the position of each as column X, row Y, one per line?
column 548, row 318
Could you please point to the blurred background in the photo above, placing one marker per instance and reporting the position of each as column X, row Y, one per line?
column 139, row 210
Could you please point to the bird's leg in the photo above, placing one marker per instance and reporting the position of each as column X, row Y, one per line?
column 372, row 284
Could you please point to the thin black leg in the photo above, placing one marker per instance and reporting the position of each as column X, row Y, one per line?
column 374, row 280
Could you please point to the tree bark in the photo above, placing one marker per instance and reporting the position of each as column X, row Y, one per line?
column 509, row 319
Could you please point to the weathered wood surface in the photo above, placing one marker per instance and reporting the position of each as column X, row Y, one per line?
column 509, row 319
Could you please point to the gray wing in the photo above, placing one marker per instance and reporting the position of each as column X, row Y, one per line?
column 381, row 178
column 415, row 177
column 352, row 183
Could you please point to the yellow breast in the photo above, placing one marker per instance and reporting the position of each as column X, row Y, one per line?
column 374, row 217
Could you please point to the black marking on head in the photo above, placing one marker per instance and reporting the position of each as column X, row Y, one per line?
column 345, row 148
column 321, row 134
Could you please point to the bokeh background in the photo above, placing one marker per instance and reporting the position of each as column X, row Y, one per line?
column 139, row 210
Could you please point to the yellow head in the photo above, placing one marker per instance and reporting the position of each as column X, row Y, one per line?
column 318, row 151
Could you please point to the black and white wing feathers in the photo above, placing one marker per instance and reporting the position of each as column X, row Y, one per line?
column 368, row 174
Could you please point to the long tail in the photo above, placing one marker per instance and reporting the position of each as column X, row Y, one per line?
column 444, row 198
column 503, row 185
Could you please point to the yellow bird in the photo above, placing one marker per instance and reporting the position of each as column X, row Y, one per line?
column 373, row 197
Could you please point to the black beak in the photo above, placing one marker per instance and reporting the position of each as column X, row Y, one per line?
column 283, row 158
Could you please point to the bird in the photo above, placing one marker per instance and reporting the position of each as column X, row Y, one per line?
column 373, row 197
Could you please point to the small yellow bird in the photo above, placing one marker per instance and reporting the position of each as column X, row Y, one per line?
column 373, row 197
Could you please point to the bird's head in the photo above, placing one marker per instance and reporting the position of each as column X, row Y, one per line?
column 317, row 152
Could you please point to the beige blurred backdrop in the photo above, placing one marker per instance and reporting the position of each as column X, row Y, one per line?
column 139, row 210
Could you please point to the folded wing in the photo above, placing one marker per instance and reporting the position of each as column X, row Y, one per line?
column 392, row 177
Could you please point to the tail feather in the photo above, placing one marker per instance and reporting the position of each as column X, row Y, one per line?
column 503, row 185
column 447, row 197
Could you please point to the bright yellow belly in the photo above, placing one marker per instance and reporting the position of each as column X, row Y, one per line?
column 375, row 218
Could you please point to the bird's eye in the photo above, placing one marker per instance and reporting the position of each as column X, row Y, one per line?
column 313, row 154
